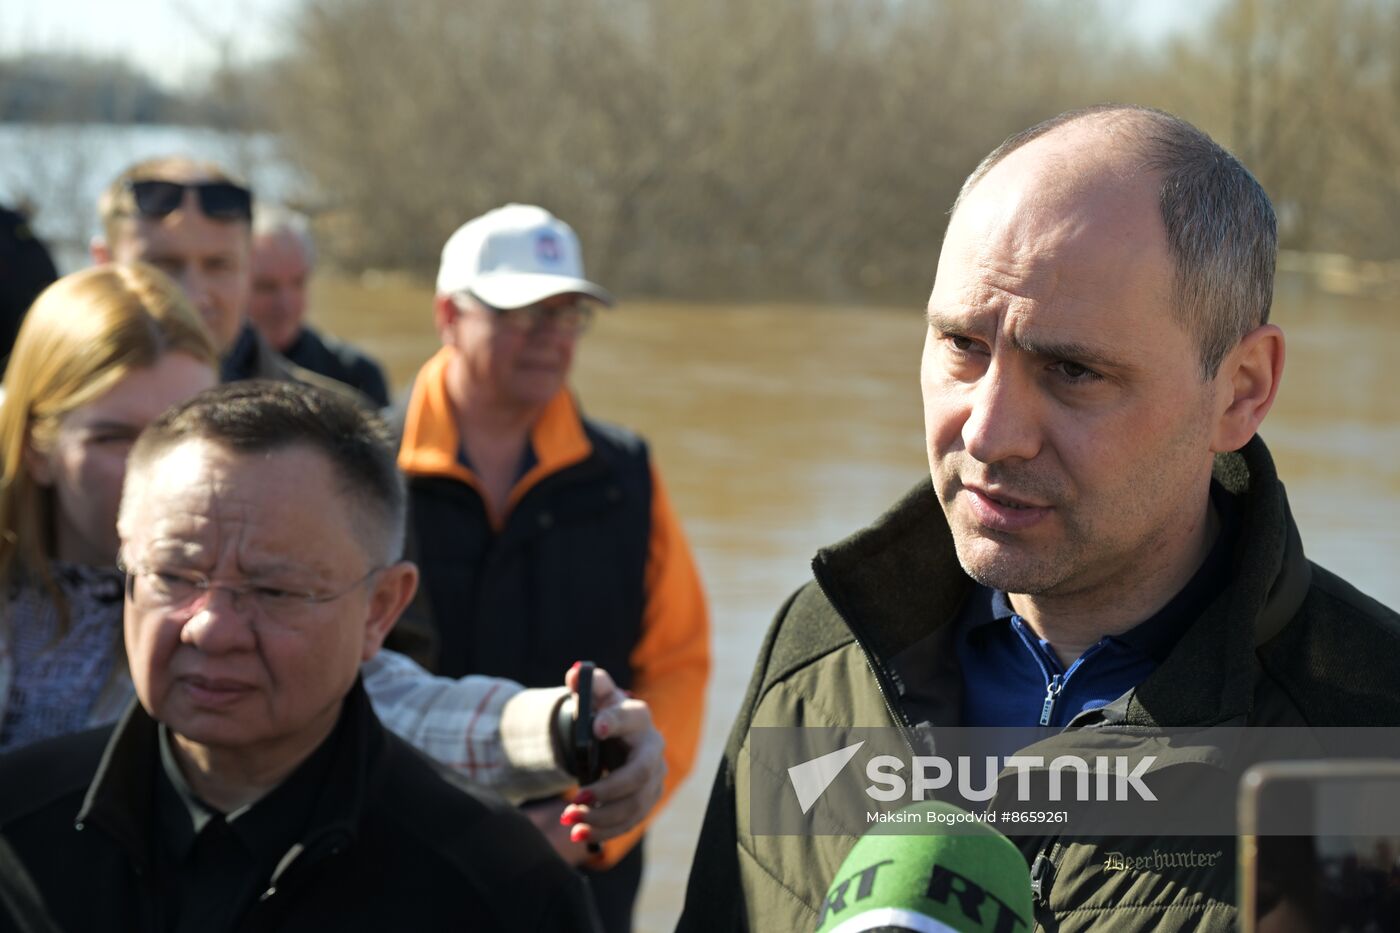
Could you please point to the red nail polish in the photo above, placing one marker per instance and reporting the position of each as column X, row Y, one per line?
column 568, row 818
column 580, row 834
column 602, row 730
column 577, row 665
column 585, row 798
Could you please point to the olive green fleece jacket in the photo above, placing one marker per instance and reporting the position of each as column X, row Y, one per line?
column 1287, row 643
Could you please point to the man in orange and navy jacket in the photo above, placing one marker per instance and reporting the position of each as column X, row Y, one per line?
column 543, row 536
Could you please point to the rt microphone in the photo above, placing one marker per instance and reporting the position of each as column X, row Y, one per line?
column 958, row 875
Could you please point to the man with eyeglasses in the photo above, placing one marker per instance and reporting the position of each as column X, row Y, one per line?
column 545, row 536
column 251, row 785
column 193, row 221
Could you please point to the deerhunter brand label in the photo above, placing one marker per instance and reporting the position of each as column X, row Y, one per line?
column 1100, row 782
column 1158, row 860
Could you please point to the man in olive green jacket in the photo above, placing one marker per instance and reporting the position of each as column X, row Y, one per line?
column 1097, row 364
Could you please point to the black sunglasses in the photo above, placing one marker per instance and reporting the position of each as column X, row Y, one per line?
column 219, row 200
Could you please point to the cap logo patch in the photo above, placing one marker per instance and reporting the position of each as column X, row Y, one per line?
column 548, row 248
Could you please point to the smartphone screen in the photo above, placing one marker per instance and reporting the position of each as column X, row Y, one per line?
column 1321, row 847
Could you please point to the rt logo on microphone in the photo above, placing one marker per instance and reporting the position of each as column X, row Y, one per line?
column 1102, row 778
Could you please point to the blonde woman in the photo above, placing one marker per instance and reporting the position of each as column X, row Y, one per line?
column 100, row 354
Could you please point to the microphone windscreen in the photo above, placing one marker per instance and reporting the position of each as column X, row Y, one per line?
column 958, row 875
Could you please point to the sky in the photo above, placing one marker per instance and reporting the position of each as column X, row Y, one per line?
column 173, row 40
column 176, row 40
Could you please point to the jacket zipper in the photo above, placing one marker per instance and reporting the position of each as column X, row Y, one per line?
column 1052, row 693
column 291, row 871
column 1043, row 871
column 883, row 681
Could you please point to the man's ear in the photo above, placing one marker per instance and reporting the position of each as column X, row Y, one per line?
column 445, row 314
column 100, row 251
column 1249, row 378
column 393, row 591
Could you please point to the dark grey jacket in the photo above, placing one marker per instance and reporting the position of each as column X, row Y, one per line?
column 338, row 360
column 252, row 357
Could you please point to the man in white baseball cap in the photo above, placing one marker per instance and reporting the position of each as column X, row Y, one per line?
column 545, row 537
column 514, row 256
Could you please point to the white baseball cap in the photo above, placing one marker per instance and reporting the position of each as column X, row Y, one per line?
column 515, row 256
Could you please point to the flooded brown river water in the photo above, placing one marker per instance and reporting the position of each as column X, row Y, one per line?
column 781, row 428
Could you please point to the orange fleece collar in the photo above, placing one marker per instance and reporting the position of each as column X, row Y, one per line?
column 431, row 440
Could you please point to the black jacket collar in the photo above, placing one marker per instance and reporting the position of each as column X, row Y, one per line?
column 120, row 798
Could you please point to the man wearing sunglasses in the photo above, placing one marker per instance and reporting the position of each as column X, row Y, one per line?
column 545, row 536
column 193, row 221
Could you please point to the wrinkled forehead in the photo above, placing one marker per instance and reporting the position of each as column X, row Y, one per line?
column 1063, row 206
column 180, row 488
column 199, row 498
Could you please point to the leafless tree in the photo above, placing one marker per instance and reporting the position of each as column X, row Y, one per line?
column 778, row 149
